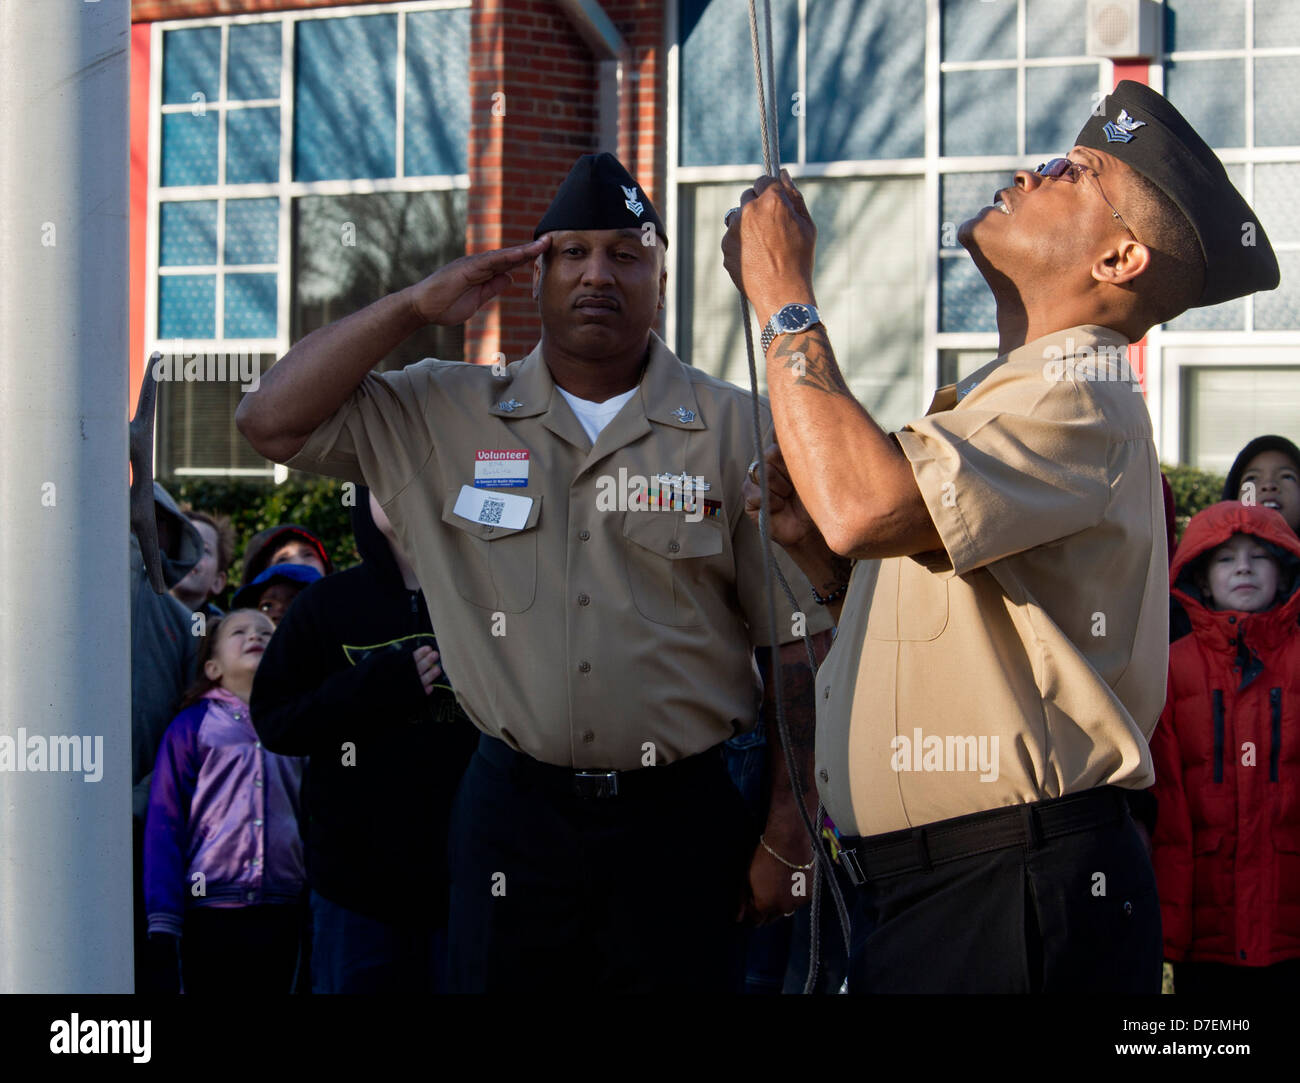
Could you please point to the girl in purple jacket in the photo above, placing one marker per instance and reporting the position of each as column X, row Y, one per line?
column 223, row 863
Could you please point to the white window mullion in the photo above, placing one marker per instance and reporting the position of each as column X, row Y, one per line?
column 1022, row 111
column 933, row 107
column 802, row 87
column 285, row 219
column 399, row 146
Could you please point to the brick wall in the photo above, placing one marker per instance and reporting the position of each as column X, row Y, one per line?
column 528, row 51
column 149, row 11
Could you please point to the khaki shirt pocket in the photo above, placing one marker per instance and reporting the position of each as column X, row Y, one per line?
column 668, row 565
column 497, row 566
column 909, row 603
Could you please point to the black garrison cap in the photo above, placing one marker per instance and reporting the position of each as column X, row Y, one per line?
column 599, row 193
column 1146, row 133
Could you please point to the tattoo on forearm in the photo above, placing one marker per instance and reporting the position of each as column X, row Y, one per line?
column 813, row 363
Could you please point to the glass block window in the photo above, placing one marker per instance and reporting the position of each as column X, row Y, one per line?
column 1013, row 76
column 188, row 233
column 873, row 49
column 255, row 62
column 719, row 111
column 1241, row 90
column 1194, row 25
column 378, row 97
column 187, row 306
column 346, row 128
column 979, row 112
column 437, row 105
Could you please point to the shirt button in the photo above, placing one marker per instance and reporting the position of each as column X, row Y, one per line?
column 583, row 535
column 673, row 547
column 583, row 599
column 488, row 529
column 824, row 775
column 584, row 666
column 588, row 737
column 257, row 823
column 257, row 782
column 826, row 692
column 1232, row 620
column 250, row 896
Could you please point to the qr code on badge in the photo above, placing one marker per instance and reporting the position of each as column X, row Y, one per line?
column 491, row 513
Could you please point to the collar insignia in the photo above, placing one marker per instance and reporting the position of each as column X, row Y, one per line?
column 509, row 405
column 684, row 415
column 631, row 202
column 1121, row 130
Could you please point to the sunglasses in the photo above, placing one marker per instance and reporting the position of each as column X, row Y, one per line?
column 1064, row 169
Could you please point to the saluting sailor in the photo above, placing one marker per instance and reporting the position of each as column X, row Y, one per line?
column 603, row 642
column 1000, row 661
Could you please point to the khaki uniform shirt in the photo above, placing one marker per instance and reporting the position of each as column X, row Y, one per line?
column 589, row 634
column 1027, row 660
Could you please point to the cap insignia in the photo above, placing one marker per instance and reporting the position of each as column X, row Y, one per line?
column 631, row 202
column 1121, row 130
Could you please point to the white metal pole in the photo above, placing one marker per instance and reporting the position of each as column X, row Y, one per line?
column 65, row 805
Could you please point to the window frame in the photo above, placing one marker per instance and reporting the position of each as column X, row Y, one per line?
column 285, row 189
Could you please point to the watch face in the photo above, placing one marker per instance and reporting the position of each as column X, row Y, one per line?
column 794, row 317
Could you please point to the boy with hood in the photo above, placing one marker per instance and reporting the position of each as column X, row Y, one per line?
column 351, row 679
column 1227, row 840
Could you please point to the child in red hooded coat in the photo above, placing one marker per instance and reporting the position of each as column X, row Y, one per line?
column 1227, row 757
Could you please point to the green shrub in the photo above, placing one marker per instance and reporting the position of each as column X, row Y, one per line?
column 1194, row 490
column 252, row 504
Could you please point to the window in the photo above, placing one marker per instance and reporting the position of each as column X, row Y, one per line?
column 1015, row 85
column 1225, row 408
column 1233, row 69
column 285, row 149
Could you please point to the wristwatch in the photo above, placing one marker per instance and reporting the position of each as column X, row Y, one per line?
column 788, row 320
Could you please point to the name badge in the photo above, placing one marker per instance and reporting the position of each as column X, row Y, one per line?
column 493, row 509
column 500, row 468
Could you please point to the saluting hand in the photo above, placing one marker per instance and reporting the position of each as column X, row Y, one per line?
column 452, row 294
column 426, row 665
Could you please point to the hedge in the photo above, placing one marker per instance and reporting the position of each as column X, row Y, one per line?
column 315, row 503
column 318, row 504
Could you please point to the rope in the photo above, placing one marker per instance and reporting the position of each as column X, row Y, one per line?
column 822, row 872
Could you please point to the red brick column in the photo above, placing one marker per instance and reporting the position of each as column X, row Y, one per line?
column 528, row 51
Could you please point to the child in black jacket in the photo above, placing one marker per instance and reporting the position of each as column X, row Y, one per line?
column 351, row 679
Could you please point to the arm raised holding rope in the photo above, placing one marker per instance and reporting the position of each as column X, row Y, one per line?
column 857, row 486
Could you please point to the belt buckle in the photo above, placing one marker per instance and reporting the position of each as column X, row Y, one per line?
column 595, row 783
column 853, row 869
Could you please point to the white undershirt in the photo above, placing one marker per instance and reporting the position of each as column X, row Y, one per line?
column 594, row 416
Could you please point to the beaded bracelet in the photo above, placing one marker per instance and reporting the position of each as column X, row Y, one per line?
column 833, row 596
column 762, row 840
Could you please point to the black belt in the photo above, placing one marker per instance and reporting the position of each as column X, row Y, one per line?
column 691, row 771
column 919, row 849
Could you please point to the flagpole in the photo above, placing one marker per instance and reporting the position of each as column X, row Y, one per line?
column 65, row 836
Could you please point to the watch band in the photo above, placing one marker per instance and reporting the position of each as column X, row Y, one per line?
column 774, row 326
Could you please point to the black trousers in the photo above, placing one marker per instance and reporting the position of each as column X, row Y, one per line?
column 1221, row 979
column 554, row 893
column 240, row 950
column 1072, row 914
